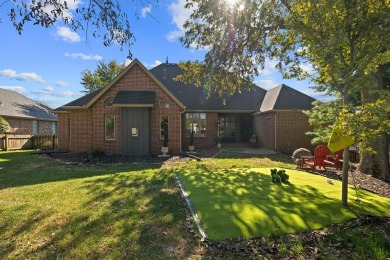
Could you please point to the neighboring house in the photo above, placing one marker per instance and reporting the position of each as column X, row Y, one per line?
column 126, row 116
column 26, row 116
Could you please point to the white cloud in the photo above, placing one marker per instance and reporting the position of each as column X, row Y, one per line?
column 67, row 35
column 83, row 56
column 179, row 14
column 24, row 76
column 146, row 10
column 49, row 89
column 266, row 83
column 61, row 83
column 269, row 67
column 18, row 89
column 308, row 68
column 173, row 35
column 64, row 94
column 149, row 66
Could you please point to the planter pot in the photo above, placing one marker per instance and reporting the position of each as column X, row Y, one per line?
column 191, row 148
column 164, row 151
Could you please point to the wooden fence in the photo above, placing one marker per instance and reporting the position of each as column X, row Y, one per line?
column 11, row 141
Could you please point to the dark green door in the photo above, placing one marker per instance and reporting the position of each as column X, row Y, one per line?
column 135, row 131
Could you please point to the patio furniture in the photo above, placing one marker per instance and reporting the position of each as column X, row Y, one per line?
column 334, row 161
column 320, row 153
column 298, row 153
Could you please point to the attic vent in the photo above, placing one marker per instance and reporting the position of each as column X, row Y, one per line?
column 164, row 103
column 108, row 102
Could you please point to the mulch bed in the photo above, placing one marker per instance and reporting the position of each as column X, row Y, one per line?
column 362, row 181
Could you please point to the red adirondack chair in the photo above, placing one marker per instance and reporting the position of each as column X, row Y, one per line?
column 320, row 153
column 336, row 162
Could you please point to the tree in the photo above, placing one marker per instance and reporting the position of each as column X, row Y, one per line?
column 4, row 126
column 345, row 41
column 108, row 20
column 103, row 75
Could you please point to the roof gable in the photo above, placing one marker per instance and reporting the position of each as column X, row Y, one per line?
column 90, row 98
column 284, row 97
column 13, row 104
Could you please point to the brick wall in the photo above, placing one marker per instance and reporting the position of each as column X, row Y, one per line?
column 63, row 131
column 24, row 126
column 87, row 126
column 264, row 128
column 290, row 126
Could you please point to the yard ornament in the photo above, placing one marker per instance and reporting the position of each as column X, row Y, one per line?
column 338, row 140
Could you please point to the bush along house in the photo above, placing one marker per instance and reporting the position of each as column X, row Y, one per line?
column 140, row 108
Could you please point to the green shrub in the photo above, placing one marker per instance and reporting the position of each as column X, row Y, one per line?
column 279, row 176
column 97, row 152
column 4, row 126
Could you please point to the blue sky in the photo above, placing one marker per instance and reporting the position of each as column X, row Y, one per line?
column 45, row 64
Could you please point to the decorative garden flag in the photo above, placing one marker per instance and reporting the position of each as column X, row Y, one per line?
column 338, row 140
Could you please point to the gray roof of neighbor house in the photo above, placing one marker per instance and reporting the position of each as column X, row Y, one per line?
column 13, row 104
column 284, row 97
column 194, row 98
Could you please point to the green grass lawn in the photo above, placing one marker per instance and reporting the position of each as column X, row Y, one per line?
column 52, row 210
column 244, row 202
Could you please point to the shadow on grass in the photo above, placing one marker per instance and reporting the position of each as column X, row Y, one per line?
column 20, row 168
column 245, row 203
column 127, row 215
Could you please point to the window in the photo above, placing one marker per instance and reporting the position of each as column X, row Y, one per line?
column 35, row 127
column 163, row 126
column 227, row 126
column 196, row 122
column 53, row 128
column 109, row 127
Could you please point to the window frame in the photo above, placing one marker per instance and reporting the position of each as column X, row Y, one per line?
column 201, row 118
column 105, row 127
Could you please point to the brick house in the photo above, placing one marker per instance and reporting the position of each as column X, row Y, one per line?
column 127, row 115
column 26, row 116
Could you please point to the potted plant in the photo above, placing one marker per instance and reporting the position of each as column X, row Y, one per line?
column 165, row 148
column 191, row 147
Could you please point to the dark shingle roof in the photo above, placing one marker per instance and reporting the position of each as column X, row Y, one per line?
column 284, row 97
column 194, row 98
column 134, row 98
column 14, row 104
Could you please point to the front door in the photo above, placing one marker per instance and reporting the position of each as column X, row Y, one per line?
column 135, row 131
